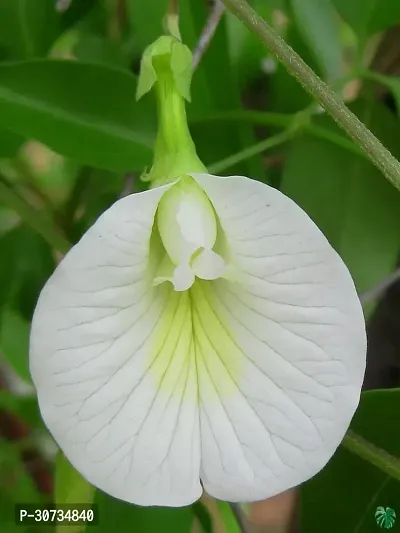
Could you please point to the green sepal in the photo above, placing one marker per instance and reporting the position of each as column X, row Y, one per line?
column 176, row 55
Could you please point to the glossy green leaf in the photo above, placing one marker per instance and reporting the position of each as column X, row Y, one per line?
column 369, row 16
column 345, row 494
column 84, row 111
column 116, row 515
column 27, row 27
column 348, row 198
column 318, row 23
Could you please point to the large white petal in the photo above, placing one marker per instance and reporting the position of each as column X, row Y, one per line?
column 113, row 364
column 280, row 352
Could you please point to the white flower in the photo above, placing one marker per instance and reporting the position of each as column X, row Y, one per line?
column 243, row 384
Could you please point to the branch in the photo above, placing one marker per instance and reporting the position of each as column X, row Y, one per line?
column 280, row 120
column 208, row 32
column 380, row 288
column 129, row 184
column 374, row 149
column 369, row 452
column 251, row 151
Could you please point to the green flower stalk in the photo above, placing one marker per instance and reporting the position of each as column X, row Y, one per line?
column 167, row 65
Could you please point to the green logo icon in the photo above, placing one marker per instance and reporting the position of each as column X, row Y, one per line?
column 385, row 518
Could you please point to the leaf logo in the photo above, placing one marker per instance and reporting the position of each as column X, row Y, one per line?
column 385, row 518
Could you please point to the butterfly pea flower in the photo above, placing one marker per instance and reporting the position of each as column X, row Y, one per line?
column 202, row 335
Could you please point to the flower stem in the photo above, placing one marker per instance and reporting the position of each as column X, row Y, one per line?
column 279, row 120
column 374, row 149
column 369, row 452
column 251, row 151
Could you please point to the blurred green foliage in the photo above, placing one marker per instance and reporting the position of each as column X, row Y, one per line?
column 67, row 85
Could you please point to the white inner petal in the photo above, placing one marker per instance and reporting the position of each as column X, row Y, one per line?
column 183, row 277
column 208, row 265
column 188, row 228
column 195, row 228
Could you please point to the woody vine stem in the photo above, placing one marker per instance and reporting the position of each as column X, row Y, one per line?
column 330, row 101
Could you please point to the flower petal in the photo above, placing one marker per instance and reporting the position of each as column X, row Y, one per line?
column 186, row 220
column 208, row 265
column 282, row 349
column 111, row 358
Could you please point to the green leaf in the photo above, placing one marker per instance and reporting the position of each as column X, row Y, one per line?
column 346, row 493
column 391, row 82
column 76, row 12
column 369, row 16
column 246, row 53
column 286, row 95
column 28, row 266
column 39, row 221
column 100, row 189
column 348, row 198
column 14, row 479
column 9, row 143
column 8, row 220
column 209, row 94
column 146, row 20
column 27, row 27
column 16, row 487
column 116, row 515
column 203, row 516
column 228, row 518
column 14, row 342
column 94, row 49
column 318, row 24
column 84, row 111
